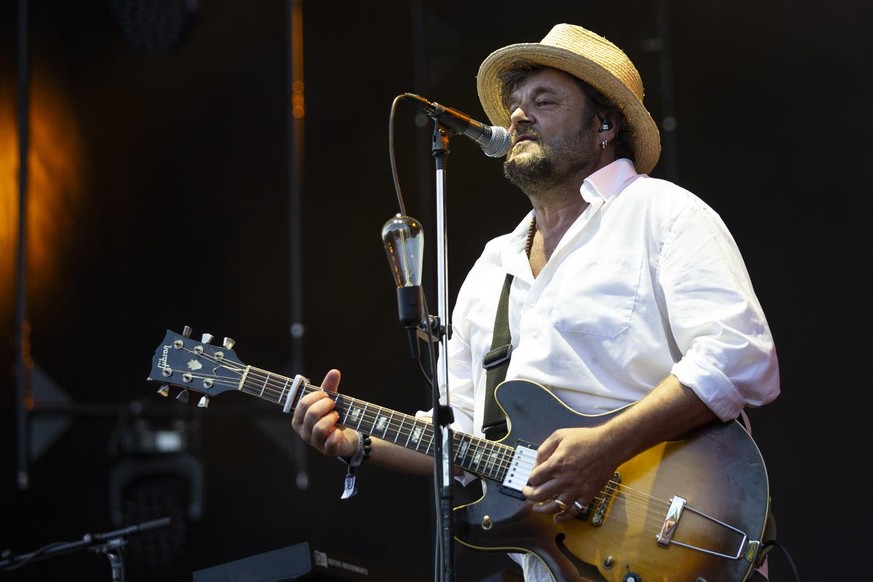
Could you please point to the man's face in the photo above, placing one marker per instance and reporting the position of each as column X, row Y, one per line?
column 554, row 133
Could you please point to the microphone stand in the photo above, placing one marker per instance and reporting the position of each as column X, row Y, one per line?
column 111, row 544
column 442, row 417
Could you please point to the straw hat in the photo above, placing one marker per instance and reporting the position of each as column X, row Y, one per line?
column 589, row 57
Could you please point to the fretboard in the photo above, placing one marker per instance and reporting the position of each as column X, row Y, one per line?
column 477, row 455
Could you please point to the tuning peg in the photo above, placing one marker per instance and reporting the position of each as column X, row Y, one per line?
column 204, row 402
column 228, row 343
column 207, row 338
column 164, row 390
column 187, row 331
column 183, row 396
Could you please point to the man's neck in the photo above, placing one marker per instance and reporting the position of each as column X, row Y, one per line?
column 553, row 219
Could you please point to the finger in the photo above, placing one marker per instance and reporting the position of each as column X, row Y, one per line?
column 547, row 447
column 303, row 407
column 331, row 380
column 552, row 505
column 320, row 416
column 308, row 415
column 329, row 438
column 574, row 509
column 547, row 483
column 542, row 493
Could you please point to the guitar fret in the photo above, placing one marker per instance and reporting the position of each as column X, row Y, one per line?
column 399, row 432
column 264, row 387
column 418, row 430
column 486, row 459
column 249, row 385
column 430, row 444
column 409, row 437
column 461, row 451
column 354, row 414
column 492, row 457
column 381, row 423
column 476, row 459
column 301, row 392
column 284, row 387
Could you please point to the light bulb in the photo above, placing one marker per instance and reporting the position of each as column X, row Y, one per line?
column 404, row 243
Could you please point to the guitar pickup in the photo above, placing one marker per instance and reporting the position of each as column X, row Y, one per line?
column 519, row 469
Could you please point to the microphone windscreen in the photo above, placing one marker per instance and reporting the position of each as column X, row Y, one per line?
column 500, row 142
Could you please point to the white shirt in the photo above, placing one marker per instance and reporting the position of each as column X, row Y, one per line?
column 647, row 282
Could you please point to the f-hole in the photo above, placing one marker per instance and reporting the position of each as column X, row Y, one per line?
column 587, row 571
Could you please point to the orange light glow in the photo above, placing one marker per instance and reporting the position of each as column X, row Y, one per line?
column 54, row 182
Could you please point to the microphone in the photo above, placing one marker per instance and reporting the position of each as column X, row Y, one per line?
column 493, row 139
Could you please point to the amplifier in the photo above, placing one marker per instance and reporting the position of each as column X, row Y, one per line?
column 301, row 562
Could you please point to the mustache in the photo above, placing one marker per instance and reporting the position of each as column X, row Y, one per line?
column 528, row 133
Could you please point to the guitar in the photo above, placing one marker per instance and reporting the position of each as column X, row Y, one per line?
column 691, row 509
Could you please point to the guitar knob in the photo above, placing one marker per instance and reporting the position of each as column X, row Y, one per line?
column 183, row 396
column 164, row 390
column 228, row 343
column 207, row 338
column 632, row 577
column 187, row 331
column 204, row 402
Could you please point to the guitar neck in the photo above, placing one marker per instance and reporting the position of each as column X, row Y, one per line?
column 484, row 458
column 647, row 496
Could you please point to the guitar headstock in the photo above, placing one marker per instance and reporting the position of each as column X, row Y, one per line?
column 190, row 364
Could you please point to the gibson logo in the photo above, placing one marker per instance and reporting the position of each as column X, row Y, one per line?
column 162, row 362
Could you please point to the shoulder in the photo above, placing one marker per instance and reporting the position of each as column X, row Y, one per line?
column 663, row 200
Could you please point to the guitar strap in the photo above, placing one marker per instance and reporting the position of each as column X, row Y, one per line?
column 495, row 363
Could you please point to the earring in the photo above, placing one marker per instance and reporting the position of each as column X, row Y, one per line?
column 604, row 143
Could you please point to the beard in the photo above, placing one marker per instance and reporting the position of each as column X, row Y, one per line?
column 550, row 164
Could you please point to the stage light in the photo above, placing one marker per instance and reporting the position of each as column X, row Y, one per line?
column 157, row 474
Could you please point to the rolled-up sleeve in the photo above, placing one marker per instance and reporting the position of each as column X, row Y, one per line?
column 728, row 354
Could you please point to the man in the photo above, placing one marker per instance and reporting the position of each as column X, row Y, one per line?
column 626, row 289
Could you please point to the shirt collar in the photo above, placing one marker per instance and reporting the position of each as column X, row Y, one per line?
column 608, row 181
column 597, row 189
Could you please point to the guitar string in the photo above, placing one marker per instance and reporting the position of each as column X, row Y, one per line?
column 371, row 413
column 277, row 387
column 359, row 414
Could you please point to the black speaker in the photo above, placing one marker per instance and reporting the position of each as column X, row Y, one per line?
column 300, row 562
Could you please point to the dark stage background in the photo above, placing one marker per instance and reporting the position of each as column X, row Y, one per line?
column 162, row 193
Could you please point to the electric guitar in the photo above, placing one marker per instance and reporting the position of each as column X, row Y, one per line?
column 689, row 510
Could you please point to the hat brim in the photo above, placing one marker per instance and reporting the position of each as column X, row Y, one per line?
column 646, row 140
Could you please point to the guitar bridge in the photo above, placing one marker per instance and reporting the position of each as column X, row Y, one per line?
column 598, row 513
column 671, row 522
column 665, row 536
